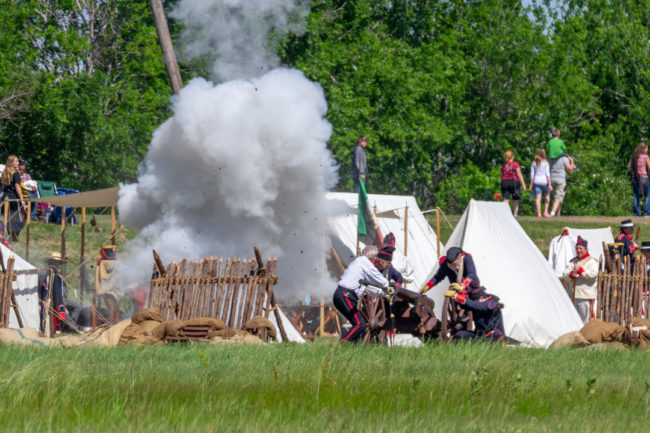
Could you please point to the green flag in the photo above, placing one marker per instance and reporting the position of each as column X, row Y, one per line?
column 369, row 232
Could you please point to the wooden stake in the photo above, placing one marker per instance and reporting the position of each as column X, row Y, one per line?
column 321, row 326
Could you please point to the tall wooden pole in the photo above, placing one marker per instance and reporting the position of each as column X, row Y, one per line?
column 169, row 57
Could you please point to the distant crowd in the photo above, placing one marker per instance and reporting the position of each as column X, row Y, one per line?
column 548, row 174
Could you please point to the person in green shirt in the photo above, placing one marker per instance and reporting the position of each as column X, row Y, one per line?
column 555, row 147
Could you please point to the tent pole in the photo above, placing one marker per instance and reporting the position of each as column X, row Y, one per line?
column 6, row 217
column 28, row 224
column 113, row 224
column 82, row 258
column 63, row 262
column 321, row 326
column 438, row 229
column 406, row 230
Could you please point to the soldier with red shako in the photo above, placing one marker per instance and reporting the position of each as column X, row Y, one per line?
column 582, row 271
column 458, row 266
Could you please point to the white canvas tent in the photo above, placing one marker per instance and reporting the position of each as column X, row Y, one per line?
column 537, row 309
column 563, row 248
column 25, row 289
column 390, row 211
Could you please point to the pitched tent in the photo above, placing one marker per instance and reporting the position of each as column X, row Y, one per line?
column 390, row 211
column 26, row 290
column 537, row 309
column 563, row 248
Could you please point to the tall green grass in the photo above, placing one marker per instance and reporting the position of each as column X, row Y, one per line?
column 323, row 387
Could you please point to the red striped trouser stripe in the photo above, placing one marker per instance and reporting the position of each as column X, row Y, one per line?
column 355, row 318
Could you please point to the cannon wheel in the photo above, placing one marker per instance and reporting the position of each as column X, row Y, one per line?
column 450, row 311
column 373, row 310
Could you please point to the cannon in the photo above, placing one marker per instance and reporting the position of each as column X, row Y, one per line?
column 403, row 311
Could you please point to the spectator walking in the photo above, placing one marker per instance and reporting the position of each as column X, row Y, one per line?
column 512, row 181
column 559, row 168
column 639, row 165
column 555, row 146
column 14, row 193
column 359, row 168
column 540, row 181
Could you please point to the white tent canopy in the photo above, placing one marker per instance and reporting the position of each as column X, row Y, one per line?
column 563, row 248
column 537, row 309
column 390, row 210
column 25, row 289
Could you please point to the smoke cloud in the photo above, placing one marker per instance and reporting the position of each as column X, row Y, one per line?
column 240, row 164
column 236, row 37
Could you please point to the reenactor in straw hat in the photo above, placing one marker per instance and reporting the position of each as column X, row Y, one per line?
column 52, row 291
column 582, row 271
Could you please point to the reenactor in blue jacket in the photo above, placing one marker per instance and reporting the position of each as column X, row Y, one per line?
column 455, row 262
column 486, row 312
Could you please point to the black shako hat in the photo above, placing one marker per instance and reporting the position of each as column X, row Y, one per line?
column 453, row 253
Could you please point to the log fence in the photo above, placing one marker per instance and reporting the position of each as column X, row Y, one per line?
column 230, row 289
column 623, row 290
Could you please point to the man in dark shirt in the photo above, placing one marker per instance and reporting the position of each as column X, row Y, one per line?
column 486, row 312
column 359, row 168
column 625, row 237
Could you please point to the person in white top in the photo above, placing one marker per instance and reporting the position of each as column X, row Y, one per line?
column 349, row 290
column 582, row 271
column 540, row 179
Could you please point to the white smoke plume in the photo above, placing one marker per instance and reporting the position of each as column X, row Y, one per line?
column 240, row 164
column 235, row 37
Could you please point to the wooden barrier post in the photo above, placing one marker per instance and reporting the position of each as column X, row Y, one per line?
column 321, row 327
column 6, row 211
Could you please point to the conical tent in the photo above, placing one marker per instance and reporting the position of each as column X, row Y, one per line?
column 537, row 309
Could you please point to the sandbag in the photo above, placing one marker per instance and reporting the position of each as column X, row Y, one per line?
column 147, row 314
column 570, row 339
column 174, row 328
column 226, row 333
column 140, row 333
column 206, row 321
column 597, row 331
column 108, row 336
column 260, row 322
column 23, row 337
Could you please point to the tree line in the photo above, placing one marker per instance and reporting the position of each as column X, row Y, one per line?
column 441, row 89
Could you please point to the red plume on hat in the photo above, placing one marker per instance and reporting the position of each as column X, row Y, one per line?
column 389, row 240
column 581, row 241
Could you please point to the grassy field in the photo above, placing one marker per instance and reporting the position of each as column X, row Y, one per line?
column 319, row 386
column 323, row 387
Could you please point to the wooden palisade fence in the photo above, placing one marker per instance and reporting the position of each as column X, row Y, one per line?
column 7, row 297
column 232, row 289
column 623, row 294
